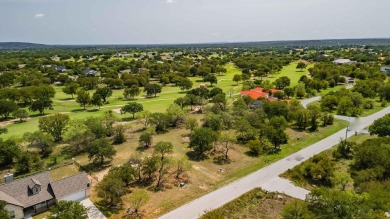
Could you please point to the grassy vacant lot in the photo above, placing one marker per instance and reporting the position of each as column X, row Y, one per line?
column 204, row 176
column 252, row 205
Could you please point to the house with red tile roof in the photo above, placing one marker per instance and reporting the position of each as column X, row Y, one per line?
column 258, row 92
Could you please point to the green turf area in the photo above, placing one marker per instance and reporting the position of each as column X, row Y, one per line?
column 62, row 103
column 330, row 89
column 42, row 215
column 292, row 72
column 377, row 108
column 65, row 171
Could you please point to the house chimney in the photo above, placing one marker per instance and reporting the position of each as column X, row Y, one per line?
column 9, row 177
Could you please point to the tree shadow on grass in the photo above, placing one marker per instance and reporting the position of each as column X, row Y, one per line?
column 220, row 160
column 163, row 187
column 37, row 115
column 142, row 148
column 95, row 167
column 108, row 210
column 139, row 130
column 192, row 155
column 274, row 151
column 144, row 183
column 19, row 122
column 92, row 110
column 66, row 99
column 127, row 119
column 78, row 110
column 251, row 154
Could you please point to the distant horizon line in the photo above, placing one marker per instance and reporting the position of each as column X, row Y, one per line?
column 198, row 43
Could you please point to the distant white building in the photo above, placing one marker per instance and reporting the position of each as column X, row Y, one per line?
column 343, row 61
column 386, row 69
column 60, row 68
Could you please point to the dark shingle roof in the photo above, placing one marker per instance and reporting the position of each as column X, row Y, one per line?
column 89, row 72
column 59, row 68
column 33, row 182
column 19, row 192
column 9, row 199
column 70, row 185
column 22, row 195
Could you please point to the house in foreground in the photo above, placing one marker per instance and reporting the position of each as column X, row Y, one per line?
column 36, row 193
column 258, row 92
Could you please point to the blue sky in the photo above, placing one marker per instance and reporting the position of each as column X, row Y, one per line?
column 189, row 21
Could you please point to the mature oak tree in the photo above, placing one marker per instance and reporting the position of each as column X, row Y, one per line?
column 55, row 125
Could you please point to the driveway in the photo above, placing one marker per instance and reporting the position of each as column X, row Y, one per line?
column 285, row 186
column 93, row 211
column 268, row 177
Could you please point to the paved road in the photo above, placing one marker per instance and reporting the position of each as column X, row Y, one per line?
column 268, row 175
column 316, row 98
column 285, row 186
column 310, row 100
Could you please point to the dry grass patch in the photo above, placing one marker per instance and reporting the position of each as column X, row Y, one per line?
column 252, row 205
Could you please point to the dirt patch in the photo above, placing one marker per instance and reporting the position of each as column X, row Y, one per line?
column 185, row 140
column 269, row 208
column 117, row 111
column 254, row 204
column 203, row 187
column 13, row 121
column 100, row 175
column 304, row 61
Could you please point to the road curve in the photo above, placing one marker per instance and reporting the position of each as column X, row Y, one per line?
column 266, row 175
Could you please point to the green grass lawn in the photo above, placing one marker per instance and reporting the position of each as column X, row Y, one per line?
column 62, row 103
column 65, row 171
column 42, row 215
column 330, row 89
column 292, row 72
column 377, row 108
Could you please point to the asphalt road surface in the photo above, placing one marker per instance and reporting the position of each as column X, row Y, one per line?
column 269, row 174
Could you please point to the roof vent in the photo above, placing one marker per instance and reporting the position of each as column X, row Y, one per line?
column 9, row 177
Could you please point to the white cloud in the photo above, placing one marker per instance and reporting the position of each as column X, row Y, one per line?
column 170, row 1
column 39, row 15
